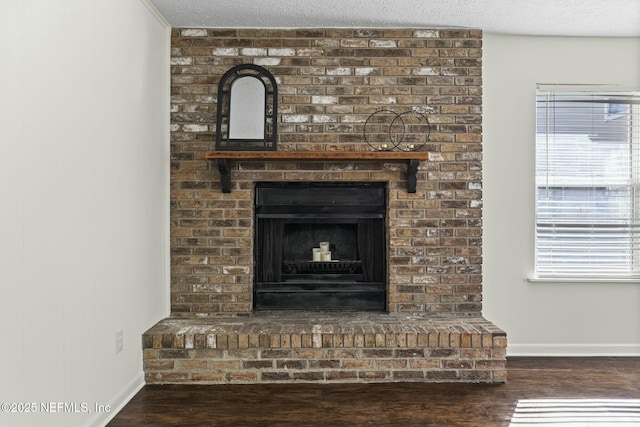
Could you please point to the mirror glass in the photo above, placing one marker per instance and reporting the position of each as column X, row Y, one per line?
column 247, row 109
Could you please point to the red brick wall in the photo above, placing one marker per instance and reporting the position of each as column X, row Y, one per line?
column 329, row 82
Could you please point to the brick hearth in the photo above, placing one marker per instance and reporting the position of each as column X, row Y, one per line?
column 349, row 347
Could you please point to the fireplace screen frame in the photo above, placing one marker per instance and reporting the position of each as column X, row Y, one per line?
column 359, row 284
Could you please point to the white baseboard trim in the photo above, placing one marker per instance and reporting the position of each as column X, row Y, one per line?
column 574, row 350
column 116, row 403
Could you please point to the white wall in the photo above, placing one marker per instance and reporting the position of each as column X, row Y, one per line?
column 544, row 318
column 84, row 152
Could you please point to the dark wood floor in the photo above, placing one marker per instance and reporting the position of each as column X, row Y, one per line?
column 399, row 404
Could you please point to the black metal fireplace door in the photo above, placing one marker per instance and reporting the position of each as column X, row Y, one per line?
column 344, row 222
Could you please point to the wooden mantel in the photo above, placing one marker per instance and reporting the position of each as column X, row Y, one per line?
column 222, row 158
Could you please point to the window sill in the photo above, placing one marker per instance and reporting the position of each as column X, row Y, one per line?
column 635, row 280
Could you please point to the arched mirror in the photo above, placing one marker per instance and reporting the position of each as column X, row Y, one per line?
column 247, row 109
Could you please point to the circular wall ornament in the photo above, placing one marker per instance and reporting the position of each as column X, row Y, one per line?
column 386, row 130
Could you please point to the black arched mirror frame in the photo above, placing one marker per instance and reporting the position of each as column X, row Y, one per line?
column 247, row 109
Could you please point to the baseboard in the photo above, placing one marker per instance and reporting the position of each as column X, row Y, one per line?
column 574, row 350
column 117, row 403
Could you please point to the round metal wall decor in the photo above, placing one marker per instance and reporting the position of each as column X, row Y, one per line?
column 386, row 130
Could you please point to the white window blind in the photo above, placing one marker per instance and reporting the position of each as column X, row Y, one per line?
column 587, row 184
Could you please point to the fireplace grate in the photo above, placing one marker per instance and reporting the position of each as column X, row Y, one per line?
column 321, row 267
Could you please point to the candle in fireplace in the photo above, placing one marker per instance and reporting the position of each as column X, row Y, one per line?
column 325, row 253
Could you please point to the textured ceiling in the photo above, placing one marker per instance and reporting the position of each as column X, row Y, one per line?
column 612, row 18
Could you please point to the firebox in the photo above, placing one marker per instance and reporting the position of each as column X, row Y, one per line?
column 320, row 246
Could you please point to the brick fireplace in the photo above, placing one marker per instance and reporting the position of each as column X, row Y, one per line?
column 330, row 81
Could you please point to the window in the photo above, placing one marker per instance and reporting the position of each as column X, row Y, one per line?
column 587, row 184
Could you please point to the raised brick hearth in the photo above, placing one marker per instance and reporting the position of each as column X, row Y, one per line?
column 349, row 347
column 329, row 82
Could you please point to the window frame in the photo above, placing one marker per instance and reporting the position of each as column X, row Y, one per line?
column 594, row 275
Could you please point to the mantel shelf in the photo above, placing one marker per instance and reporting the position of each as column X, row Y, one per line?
column 222, row 158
